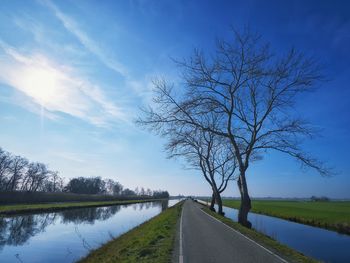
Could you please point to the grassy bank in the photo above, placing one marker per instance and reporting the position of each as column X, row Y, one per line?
column 33, row 208
column 279, row 249
column 25, row 197
column 152, row 241
column 329, row 215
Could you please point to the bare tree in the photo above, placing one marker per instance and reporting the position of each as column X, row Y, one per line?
column 52, row 183
column 35, row 177
column 252, row 92
column 29, row 177
column 208, row 153
column 5, row 164
column 109, row 186
column 142, row 191
column 225, row 169
column 118, row 188
column 149, row 192
column 18, row 174
column 17, row 168
column 56, row 182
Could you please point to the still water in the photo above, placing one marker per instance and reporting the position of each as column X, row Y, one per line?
column 321, row 244
column 68, row 235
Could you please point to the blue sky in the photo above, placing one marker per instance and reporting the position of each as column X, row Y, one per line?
column 73, row 75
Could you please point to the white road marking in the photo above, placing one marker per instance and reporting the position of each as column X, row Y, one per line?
column 269, row 251
column 181, row 257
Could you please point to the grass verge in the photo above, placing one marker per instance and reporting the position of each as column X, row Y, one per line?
column 264, row 240
column 34, row 208
column 330, row 215
column 152, row 241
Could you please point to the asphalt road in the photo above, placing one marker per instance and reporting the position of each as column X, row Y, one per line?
column 206, row 240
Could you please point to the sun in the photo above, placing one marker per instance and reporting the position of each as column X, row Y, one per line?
column 42, row 84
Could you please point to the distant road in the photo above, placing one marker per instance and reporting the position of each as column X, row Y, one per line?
column 206, row 240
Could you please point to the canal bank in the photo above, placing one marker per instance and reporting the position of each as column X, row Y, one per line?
column 52, row 207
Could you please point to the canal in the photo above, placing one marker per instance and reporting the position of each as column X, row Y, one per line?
column 321, row 244
column 68, row 235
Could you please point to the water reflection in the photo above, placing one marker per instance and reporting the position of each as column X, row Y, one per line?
column 17, row 230
column 322, row 244
column 71, row 233
column 88, row 215
column 140, row 206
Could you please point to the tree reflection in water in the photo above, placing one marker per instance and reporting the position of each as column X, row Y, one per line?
column 88, row 215
column 17, row 230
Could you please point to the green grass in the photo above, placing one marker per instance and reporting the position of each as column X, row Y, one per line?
column 330, row 215
column 25, row 197
column 152, row 241
column 30, row 208
column 283, row 251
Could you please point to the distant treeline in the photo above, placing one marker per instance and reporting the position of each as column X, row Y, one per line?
column 319, row 198
column 96, row 185
column 18, row 174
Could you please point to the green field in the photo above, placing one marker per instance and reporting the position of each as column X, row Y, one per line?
column 32, row 208
column 330, row 215
column 152, row 241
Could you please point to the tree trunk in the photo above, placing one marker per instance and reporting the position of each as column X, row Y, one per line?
column 245, row 201
column 14, row 182
column 218, row 199
column 219, row 202
column 212, row 203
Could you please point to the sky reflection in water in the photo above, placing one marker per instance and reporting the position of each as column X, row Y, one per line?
column 68, row 235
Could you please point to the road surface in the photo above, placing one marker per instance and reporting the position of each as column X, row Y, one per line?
column 204, row 239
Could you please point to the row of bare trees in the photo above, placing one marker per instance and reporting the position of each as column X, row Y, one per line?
column 19, row 174
column 141, row 191
column 232, row 107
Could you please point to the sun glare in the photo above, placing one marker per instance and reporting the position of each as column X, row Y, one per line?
column 41, row 84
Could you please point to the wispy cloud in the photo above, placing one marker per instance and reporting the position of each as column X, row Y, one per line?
column 72, row 26
column 56, row 88
column 44, row 38
column 140, row 86
column 70, row 156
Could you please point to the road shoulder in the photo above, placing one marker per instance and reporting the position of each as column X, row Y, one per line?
column 176, row 249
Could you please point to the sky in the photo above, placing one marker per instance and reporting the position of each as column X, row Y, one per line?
column 74, row 74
